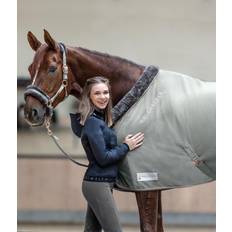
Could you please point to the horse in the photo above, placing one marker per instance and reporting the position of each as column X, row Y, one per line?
column 58, row 71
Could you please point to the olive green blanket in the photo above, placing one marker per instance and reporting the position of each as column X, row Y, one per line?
column 177, row 115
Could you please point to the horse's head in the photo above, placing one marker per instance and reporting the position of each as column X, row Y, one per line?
column 49, row 78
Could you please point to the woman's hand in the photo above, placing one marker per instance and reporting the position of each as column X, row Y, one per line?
column 134, row 141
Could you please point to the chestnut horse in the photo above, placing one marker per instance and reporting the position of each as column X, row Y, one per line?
column 58, row 71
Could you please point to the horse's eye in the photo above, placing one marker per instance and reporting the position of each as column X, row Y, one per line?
column 52, row 69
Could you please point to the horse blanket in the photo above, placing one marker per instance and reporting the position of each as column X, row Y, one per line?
column 177, row 115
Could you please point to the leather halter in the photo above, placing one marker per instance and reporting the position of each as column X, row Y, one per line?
column 40, row 95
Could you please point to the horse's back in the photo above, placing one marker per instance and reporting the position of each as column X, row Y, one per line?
column 177, row 115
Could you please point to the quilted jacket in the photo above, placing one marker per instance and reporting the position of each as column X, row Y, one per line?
column 101, row 147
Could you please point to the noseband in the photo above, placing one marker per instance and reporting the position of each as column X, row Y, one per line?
column 40, row 95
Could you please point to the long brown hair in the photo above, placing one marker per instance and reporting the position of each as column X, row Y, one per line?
column 86, row 106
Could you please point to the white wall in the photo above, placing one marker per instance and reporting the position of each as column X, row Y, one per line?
column 176, row 35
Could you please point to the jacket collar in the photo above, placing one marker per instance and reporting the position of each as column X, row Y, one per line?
column 99, row 114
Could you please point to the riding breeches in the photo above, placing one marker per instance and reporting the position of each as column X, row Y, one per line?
column 102, row 212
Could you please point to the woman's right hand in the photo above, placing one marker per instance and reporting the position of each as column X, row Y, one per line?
column 134, row 141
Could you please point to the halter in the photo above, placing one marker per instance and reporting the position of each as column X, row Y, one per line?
column 40, row 95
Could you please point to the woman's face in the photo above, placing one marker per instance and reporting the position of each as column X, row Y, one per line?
column 100, row 95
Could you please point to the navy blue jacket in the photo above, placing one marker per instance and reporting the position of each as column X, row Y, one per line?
column 100, row 144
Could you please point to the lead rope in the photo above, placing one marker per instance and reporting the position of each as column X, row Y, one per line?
column 55, row 139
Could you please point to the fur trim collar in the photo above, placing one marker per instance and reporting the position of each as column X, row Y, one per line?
column 135, row 93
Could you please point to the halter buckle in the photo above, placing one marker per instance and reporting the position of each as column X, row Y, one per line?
column 64, row 83
column 49, row 104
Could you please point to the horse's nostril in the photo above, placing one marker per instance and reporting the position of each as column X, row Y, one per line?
column 34, row 113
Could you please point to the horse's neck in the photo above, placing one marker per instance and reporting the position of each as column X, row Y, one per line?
column 121, row 73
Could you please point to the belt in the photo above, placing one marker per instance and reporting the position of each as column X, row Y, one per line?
column 100, row 179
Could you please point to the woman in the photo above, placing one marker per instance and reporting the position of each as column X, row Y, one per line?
column 92, row 124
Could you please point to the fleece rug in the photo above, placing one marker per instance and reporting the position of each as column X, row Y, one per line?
column 178, row 117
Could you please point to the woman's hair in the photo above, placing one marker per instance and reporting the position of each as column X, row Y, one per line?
column 86, row 107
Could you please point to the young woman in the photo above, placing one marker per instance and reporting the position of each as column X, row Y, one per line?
column 92, row 124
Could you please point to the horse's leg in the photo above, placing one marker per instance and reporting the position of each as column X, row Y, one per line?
column 160, row 213
column 150, row 211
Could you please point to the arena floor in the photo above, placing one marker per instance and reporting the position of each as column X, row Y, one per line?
column 76, row 228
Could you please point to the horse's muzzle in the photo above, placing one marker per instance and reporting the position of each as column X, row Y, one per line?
column 34, row 115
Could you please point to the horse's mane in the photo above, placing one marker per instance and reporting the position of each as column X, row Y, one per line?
column 105, row 55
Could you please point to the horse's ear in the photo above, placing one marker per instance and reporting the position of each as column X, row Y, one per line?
column 33, row 41
column 50, row 41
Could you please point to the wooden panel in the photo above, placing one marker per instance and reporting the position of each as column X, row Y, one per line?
column 55, row 184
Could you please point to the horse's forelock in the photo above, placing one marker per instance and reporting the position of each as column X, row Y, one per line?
column 41, row 54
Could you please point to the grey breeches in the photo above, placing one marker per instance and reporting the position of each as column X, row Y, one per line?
column 102, row 212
